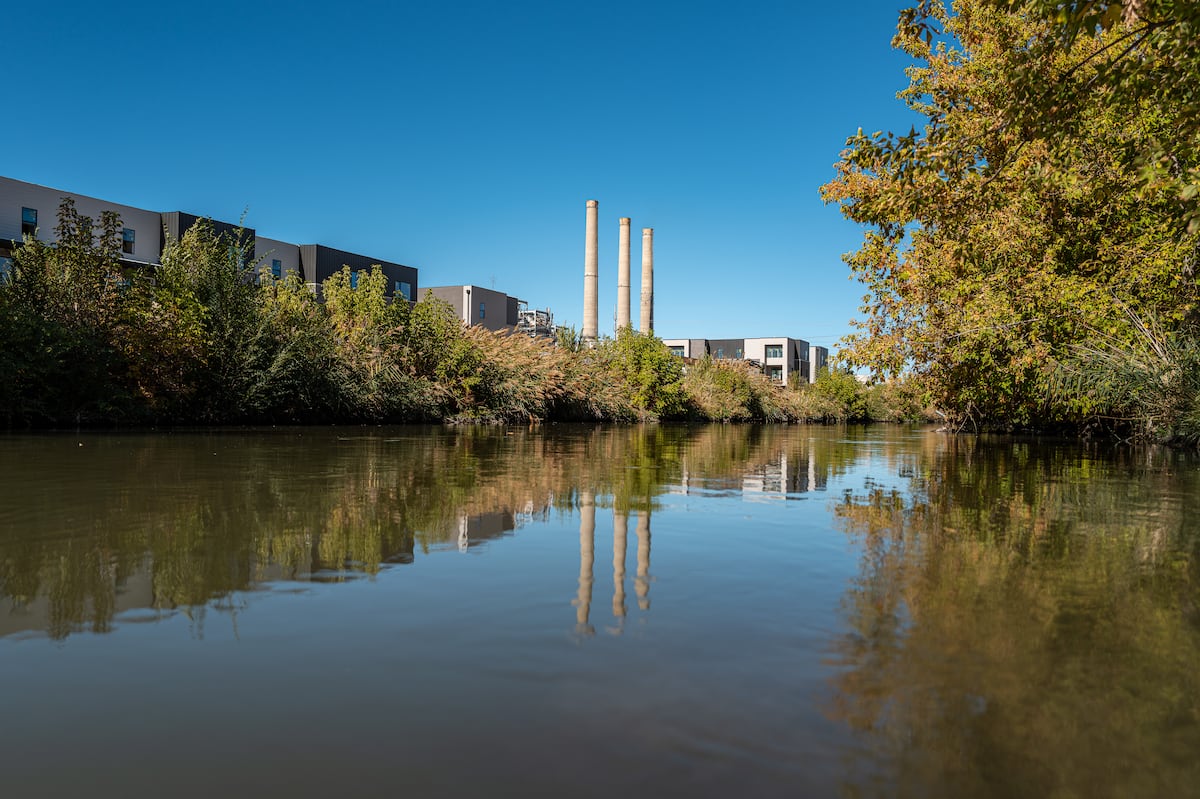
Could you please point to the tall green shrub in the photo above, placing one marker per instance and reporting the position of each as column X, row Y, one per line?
column 212, row 271
column 654, row 375
column 847, row 397
column 300, row 376
column 59, row 312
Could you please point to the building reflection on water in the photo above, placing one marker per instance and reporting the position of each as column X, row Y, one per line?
column 780, row 478
column 171, row 531
column 1002, row 588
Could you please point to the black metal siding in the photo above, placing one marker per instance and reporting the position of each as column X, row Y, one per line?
column 728, row 347
column 176, row 223
column 318, row 262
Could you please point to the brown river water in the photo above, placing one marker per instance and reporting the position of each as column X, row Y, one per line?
column 595, row 612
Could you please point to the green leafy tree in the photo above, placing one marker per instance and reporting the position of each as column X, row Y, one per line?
column 438, row 351
column 370, row 335
column 1147, row 54
column 654, row 375
column 993, row 246
column 301, row 378
column 847, row 396
column 901, row 399
column 76, row 279
column 211, row 271
column 568, row 338
column 59, row 313
column 162, row 335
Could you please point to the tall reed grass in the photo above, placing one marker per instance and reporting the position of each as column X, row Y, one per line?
column 1151, row 385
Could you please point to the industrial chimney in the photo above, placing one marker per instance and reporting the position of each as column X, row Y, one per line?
column 591, row 277
column 623, row 276
column 647, row 279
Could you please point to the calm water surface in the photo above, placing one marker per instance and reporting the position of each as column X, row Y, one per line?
column 720, row 611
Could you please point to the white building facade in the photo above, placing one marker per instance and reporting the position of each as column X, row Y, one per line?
column 27, row 209
column 781, row 358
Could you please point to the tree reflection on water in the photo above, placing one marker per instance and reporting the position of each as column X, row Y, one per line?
column 99, row 524
column 1024, row 618
column 1026, row 622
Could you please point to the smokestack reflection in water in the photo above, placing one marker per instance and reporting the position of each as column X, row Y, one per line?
column 641, row 585
column 587, row 558
column 620, row 540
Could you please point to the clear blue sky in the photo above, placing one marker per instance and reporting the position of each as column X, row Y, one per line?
column 464, row 138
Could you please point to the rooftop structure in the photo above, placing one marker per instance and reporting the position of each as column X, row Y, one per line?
column 535, row 322
column 494, row 310
column 478, row 306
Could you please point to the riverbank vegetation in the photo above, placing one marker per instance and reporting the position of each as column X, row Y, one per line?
column 208, row 338
column 1031, row 244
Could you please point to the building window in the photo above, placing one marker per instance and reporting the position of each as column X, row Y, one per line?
column 5, row 269
column 720, row 352
column 277, row 268
column 402, row 289
column 127, row 236
column 775, row 373
column 482, row 314
column 354, row 279
column 28, row 221
column 737, row 353
column 774, row 351
column 676, row 351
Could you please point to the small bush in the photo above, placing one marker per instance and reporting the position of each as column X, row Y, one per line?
column 724, row 391
column 841, row 397
column 900, row 400
column 653, row 375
